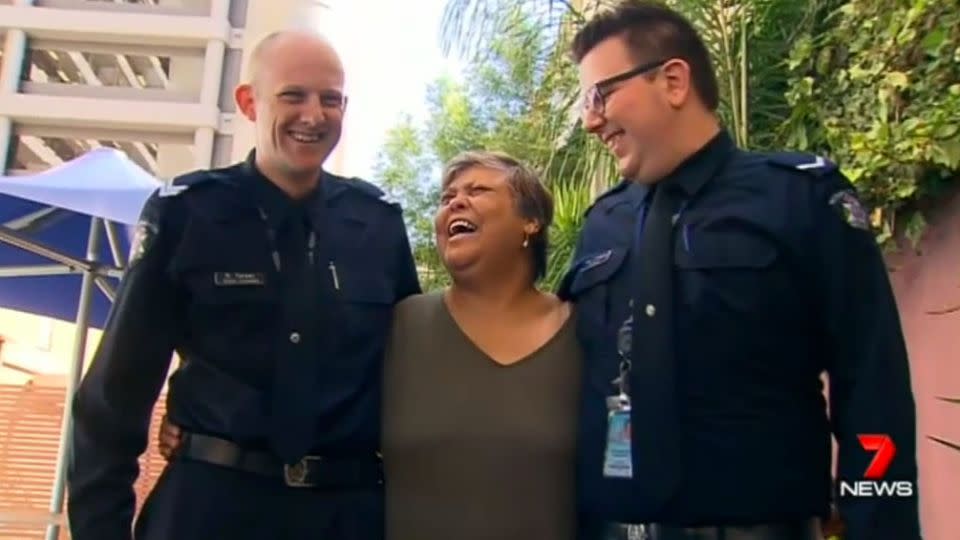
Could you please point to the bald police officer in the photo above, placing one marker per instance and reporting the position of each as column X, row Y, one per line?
column 713, row 286
column 274, row 281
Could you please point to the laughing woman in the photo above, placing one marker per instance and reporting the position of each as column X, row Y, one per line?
column 481, row 379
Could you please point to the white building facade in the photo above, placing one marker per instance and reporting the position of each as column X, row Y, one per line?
column 153, row 78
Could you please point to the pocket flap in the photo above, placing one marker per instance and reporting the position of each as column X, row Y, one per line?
column 366, row 287
column 705, row 248
column 592, row 270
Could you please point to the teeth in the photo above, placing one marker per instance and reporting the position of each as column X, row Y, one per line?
column 306, row 137
column 458, row 226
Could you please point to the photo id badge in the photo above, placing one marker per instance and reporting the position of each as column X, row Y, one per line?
column 618, row 457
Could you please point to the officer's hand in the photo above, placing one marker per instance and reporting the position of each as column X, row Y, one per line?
column 169, row 438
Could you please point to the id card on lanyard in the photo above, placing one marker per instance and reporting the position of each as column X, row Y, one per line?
column 618, row 454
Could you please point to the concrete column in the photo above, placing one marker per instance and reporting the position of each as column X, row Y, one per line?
column 264, row 18
column 203, row 148
column 189, row 75
column 213, row 60
column 14, row 51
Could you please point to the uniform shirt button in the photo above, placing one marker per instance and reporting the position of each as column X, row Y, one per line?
column 295, row 337
column 651, row 310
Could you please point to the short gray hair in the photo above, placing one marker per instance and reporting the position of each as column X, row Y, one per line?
column 533, row 200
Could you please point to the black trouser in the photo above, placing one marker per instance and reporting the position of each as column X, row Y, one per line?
column 199, row 501
column 800, row 530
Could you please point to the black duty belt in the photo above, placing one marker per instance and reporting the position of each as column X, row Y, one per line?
column 318, row 472
column 795, row 530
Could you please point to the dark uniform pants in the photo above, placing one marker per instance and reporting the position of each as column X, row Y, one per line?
column 199, row 501
column 803, row 530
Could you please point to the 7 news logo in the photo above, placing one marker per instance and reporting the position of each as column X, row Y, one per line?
column 874, row 485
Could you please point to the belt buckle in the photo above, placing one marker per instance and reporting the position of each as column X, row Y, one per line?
column 637, row 532
column 296, row 475
column 629, row 531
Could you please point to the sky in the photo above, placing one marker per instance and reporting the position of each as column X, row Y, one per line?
column 391, row 53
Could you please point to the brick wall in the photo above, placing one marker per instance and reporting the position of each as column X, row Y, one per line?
column 30, row 417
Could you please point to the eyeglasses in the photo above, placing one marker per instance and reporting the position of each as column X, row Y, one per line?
column 595, row 100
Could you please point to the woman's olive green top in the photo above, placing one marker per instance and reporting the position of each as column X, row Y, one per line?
column 474, row 449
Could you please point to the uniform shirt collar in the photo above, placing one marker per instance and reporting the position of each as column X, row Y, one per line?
column 694, row 172
column 274, row 201
column 702, row 165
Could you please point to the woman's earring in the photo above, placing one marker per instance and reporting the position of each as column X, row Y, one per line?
column 526, row 240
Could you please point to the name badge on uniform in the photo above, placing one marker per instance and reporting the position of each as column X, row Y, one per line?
column 238, row 279
column 618, row 455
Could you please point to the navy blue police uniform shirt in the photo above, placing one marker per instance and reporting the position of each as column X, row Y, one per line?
column 776, row 279
column 203, row 282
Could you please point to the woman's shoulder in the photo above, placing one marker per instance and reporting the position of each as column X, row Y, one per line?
column 559, row 307
column 417, row 306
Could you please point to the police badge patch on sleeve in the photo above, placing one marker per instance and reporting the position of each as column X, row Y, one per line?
column 142, row 239
column 851, row 209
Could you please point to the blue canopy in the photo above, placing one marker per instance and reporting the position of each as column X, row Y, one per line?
column 69, row 219
column 62, row 232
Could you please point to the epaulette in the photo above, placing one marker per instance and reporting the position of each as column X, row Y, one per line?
column 371, row 190
column 185, row 181
column 622, row 185
column 800, row 161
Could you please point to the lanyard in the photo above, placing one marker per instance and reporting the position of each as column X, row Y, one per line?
column 311, row 247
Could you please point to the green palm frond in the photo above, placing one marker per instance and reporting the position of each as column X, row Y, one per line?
column 570, row 204
column 469, row 26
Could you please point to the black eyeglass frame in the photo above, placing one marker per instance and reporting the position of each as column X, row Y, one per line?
column 595, row 100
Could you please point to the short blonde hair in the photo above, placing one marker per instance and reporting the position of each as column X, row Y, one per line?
column 534, row 201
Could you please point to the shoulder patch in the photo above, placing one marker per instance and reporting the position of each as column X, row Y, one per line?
column 143, row 235
column 621, row 185
column 846, row 203
column 810, row 163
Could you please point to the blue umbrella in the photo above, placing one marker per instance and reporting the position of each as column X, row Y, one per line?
column 64, row 235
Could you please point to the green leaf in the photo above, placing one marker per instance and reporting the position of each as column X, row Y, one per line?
column 949, row 152
column 932, row 41
column 946, row 131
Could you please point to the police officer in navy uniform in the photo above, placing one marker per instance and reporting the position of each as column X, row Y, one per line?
column 713, row 287
column 274, row 281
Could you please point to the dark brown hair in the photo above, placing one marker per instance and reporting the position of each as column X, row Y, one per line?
column 653, row 31
column 533, row 200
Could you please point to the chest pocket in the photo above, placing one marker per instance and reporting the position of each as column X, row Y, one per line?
column 725, row 268
column 591, row 285
column 368, row 297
